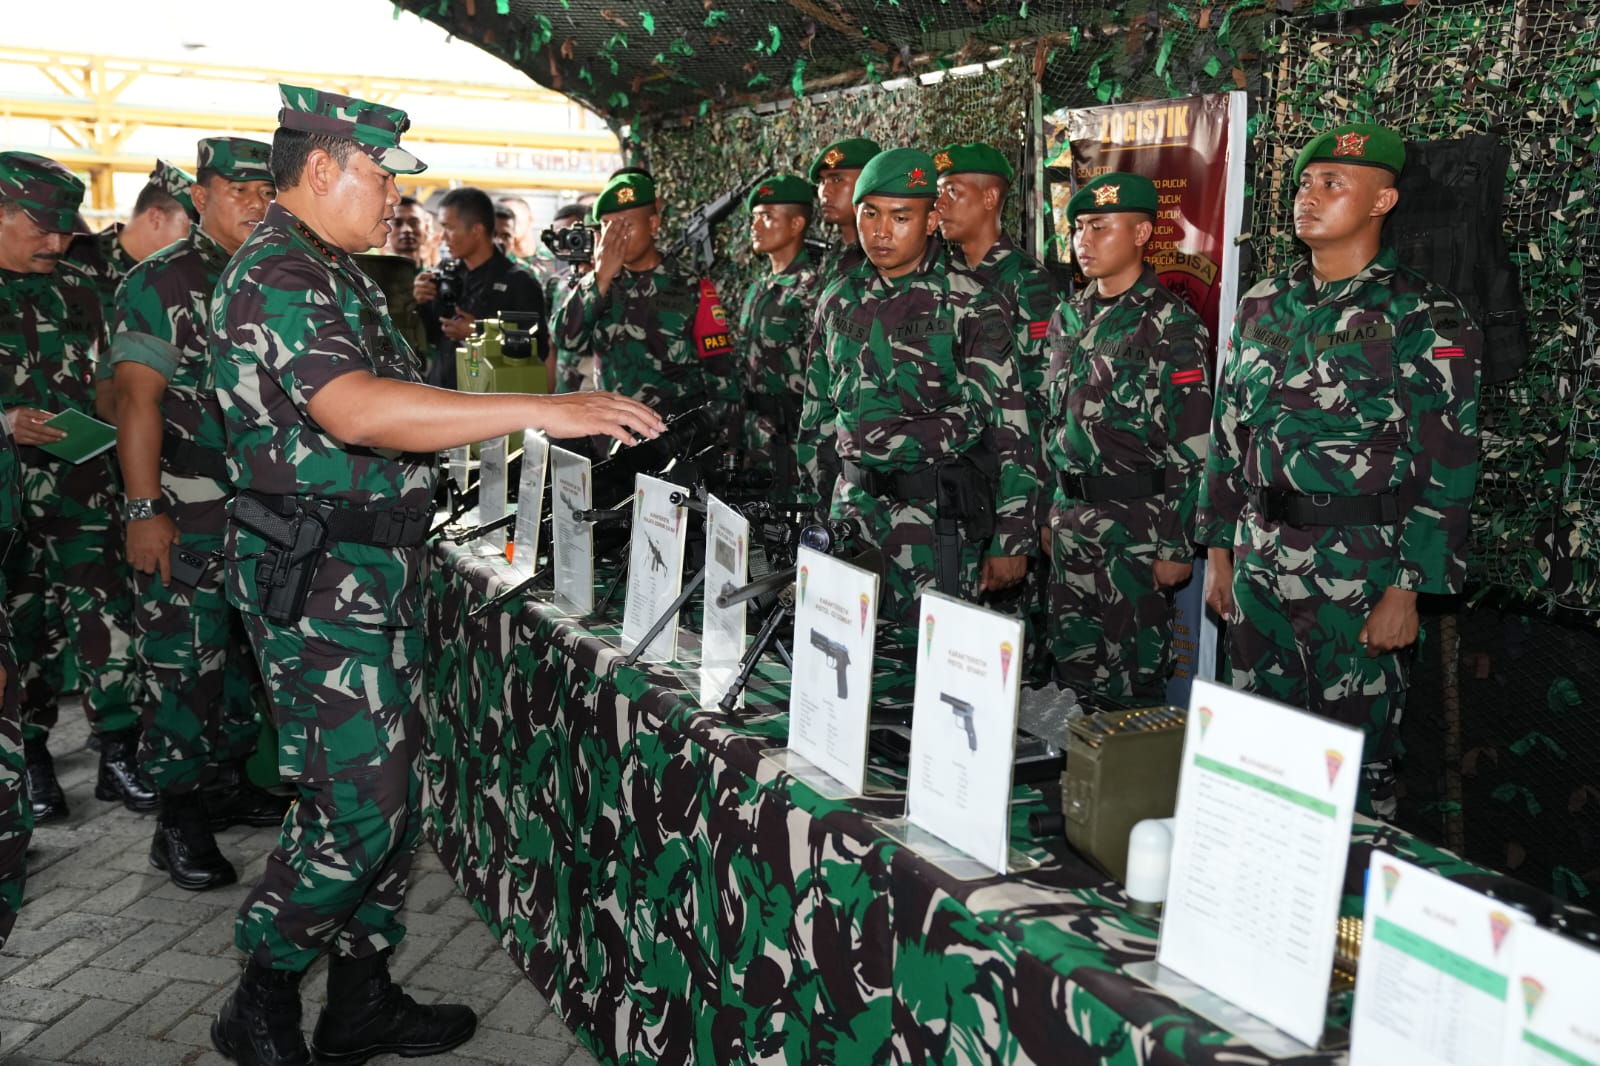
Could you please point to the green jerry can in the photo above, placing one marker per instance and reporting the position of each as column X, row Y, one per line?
column 500, row 358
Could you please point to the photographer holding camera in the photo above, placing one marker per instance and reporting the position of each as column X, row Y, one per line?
column 477, row 281
column 573, row 248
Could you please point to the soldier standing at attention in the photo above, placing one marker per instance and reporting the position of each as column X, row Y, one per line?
column 927, row 412
column 1343, row 457
column 70, row 557
column 658, row 332
column 16, row 819
column 1130, row 414
column 774, row 325
column 332, row 444
column 162, row 214
column 169, row 442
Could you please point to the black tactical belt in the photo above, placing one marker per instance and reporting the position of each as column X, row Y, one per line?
column 1150, row 481
column 1324, row 509
column 907, row 485
column 388, row 527
column 187, row 457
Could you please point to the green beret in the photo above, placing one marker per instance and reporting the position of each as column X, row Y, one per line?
column 972, row 159
column 1360, row 143
column 375, row 129
column 623, row 192
column 853, row 153
column 782, row 189
column 1113, row 192
column 176, row 183
column 46, row 191
column 903, row 172
column 236, row 158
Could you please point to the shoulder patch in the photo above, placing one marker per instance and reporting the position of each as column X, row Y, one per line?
column 1447, row 321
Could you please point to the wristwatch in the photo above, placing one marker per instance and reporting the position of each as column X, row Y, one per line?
column 136, row 509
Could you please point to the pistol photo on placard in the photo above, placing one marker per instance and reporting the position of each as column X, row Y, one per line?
column 963, row 711
column 838, row 658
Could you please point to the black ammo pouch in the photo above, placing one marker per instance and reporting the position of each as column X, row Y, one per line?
column 1324, row 509
column 187, row 457
column 1149, row 481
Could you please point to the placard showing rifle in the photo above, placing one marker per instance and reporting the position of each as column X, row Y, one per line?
column 492, row 479
column 964, row 727
column 1551, row 1002
column 572, row 541
column 723, row 632
column 1265, row 802
column 835, row 624
column 530, row 502
column 655, row 567
column 1436, row 961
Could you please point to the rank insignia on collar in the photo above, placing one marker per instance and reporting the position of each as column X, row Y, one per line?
column 916, row 177
column 1351, row 144
column 625, row 195
column 1107, row 194
column 941, row 162
column 833, row 158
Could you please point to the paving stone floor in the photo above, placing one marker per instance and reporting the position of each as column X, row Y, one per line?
column 112, row 964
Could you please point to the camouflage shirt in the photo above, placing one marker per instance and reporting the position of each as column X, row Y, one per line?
column 290, row 315
column 10, row 481
column 1358, row 387
column 915, row 368
column 102, row 257
column 659, row 336
column 1128, row 391
column 51, row 337
column 774, row 325
column 574, row 366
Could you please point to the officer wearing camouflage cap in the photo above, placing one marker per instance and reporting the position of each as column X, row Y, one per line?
column 1343, row 458
column 774, row 322
column 200, row 723
column 1129, row 419
column 331, row 442
column 70, row 564
column 917, row 386
column 162, row 214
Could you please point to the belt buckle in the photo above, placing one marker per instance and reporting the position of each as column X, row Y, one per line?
column 1320, row 500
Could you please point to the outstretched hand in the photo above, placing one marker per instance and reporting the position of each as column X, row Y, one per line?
column 583, row 414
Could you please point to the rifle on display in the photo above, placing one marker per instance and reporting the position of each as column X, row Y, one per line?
column 701, row 225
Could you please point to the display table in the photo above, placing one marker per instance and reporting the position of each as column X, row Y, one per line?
column 679, row 900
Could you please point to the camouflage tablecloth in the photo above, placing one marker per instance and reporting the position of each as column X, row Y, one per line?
column 680, row 900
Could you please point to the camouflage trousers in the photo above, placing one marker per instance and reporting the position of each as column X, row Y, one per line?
column 16, row 815
column 72, row 562
column 347, row 701
column 1110, row 627
column 202, row 711
column 1302, row 597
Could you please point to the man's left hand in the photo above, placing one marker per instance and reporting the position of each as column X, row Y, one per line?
column 1393, row 624
column 1002, row 571
column 458, row 328
column 1169, row 574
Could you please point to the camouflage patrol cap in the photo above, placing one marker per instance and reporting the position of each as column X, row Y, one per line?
column 782, row 189
column 1113, row 192
column 1360, row 143
column 623, row 192
column 906, row 173
column 972, row 159
column 852, row 153
column 375, row 129
column 176, row 183
column 43, row 189
column 235, row 158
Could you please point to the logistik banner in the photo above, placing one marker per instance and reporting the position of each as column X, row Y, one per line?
column 1193, row 149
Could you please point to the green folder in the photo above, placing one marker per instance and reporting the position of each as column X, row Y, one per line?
column 86, row 437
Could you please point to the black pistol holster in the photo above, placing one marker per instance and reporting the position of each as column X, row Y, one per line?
column 963, row 506
column 296, row 546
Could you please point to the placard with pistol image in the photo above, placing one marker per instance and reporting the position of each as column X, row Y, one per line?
column 963, row 711
column 838, row 660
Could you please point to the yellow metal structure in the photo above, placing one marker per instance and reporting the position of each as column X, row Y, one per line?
column 91, row 114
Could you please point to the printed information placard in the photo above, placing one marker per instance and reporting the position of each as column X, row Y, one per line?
column 727, row 568
column 530, row 502
column 572, row 541
column 835, row 625
column 492, row 492
column 655, row 567
column 1263, row 833
column 964, row 727
column 1551, row 1002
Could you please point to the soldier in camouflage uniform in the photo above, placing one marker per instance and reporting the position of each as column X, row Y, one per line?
column 162, row 214
column 658, row 333
column 169, row 433
column 774, row 324
column 331, row 443
column 70, row 560
column 1129, row 418
column 16, row 817
column 1343, row 458
column 927, row 412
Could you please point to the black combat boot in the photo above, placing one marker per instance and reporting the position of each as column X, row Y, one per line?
column 259, row 1025
column 119, row 772
column 233, row 799
column 44, row 791
column 368, row 1015
column 184, row 847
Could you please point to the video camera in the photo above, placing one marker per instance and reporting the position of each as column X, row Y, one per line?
column 574, row 244
column 450, row 277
